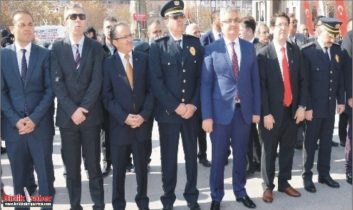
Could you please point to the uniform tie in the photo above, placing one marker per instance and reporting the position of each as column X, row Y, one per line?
column 287, row 100
column 128, row 69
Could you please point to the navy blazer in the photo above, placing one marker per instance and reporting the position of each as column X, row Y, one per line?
column 35, row 93
column 218, row 84
column 207, row 38
column 120, row 100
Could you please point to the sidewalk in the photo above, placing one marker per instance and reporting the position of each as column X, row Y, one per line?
column 325, row 198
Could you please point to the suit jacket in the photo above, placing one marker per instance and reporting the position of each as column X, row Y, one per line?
column 77, row 88
column 175, row 75
column 347, row 51
column 325, row 79
column 207, row 38
column 272, row 86
column 299, row 39
column 35, row 94
column 120, row 100
column 218, row 84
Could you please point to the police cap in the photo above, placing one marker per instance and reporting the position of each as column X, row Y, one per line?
column 331, row 25
column 173, row 8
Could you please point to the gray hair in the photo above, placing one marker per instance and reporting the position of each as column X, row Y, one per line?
column 260, row 26
column 114, row 28
column 70, row 6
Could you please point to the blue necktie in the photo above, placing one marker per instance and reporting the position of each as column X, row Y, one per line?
column 23, row 65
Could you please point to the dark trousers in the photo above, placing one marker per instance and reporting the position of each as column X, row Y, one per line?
column 236, row 135
column 26, row 152
column 201, row 138
column 120, row 156
column 87, row 140
column 105, row 142
column 348, row 149
column 169, row 141
column 253, row 155
column 300, row 133
column 342, row 127
column 318, row 128
column 284, row 135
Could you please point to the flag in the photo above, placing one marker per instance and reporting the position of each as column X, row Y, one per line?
column 308, row 17
column 341, row 14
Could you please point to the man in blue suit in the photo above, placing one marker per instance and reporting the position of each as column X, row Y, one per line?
column 230, row 101
column 215, row 33
column 128, row 100
column 27, row 107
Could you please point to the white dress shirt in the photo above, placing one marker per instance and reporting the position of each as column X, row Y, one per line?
column 236, row 48
column 19, row 54
column 278, row 48
column 74, row 47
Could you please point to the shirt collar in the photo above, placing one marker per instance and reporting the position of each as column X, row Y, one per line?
column 321, row 45
column 80, row 42
column 175, row 39
column 19, row 48
column 122, row 55
column 278, row 47
column 227, row 41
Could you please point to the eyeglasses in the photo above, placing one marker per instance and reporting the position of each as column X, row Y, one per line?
column 176, row 17
column 157, row 32
column 282, row 24
column 125, row 37
column 74, row 16
column 236, row 20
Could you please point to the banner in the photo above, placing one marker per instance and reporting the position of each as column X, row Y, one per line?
column 308, row 17
column 341, row 14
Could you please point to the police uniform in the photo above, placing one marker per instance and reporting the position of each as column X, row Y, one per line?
column 325, row 79
column 175, row 70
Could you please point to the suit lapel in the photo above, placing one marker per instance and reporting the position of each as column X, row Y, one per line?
column 67, row 50
column 274, row 57
column 85, row 50
column 121, row 70
column 136, row 67
column 290, row 54
column 174, row 50
column 226, row 57
column 321, row 53
column 15, row 64
column 32, row 63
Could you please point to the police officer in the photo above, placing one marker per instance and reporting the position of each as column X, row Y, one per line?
column 323, row 64
column 175, row 67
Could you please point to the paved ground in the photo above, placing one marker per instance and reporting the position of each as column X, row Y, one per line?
column 325, row 198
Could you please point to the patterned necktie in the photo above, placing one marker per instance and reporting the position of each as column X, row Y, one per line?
column 77, row 56
column 129, row 72
column 234, row 61
column 287, row 100
column 23, row 65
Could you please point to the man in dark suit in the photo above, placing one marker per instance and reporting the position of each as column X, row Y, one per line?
column 324, row 66
column 76, row 66
column 283, row 92
column 347, row 48
column 27, row 107
column 127, row 97
column 247, row 32
column 175, row 67
column 215, row 33
column 230, row 101
column 109, row 49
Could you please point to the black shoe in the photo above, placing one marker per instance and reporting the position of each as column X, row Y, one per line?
column 257, row 167
column 215, row 205
column 130, row 167
column 106, row 169
column 247, row 202
column 309, row 186
column 299, row 146
column 3, row 150
column 342, row 143
column 227, row 161
column 334, row 144
column 193, row 206
column 349, row 177
column 168, row 207
column 329, row 181
column 205, row 162
column 32, row 190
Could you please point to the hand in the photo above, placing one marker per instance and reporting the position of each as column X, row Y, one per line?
column 131, row 120
column 299, row 115
column 207, row 125
column 269, row 121
column 309, row 115
column 21, row 126
column 190, row 110
column 79, row 115
column 350, row 102
column 256, row 118
column 181, row 109
column 30, row 125
column 138, row 121
column 340, row 108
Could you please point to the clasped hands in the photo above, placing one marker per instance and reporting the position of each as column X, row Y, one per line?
column 185, row 111
column 25, row 126
column 134, row 120
column 79, row 116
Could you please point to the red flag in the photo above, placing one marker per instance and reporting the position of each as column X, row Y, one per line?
column 341, row 14
column 308, row 18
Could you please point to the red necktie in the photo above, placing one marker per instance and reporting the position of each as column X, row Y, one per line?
column 234, row 61
column 287, row 100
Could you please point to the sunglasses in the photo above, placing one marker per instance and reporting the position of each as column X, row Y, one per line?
column 74, row 16
column 157, row 32
column 176, row 17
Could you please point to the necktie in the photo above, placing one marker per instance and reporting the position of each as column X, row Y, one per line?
column 178, row 44
column 219, row 35
column 234, row 61
column 129, row 73
column 77, row 56
column 326, row 53
column 23, row 65
column 287, row 100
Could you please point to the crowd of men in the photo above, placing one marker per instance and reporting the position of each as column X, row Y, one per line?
column 254, row 91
